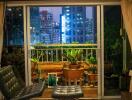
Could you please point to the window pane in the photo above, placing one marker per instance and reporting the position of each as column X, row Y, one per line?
column 65, row 24
column 68, row 24
column 13, row 52
column 113, row 50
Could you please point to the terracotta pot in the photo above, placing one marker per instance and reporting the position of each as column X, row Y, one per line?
column 75, row 66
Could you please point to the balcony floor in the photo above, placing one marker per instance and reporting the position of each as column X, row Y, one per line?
column 88, row 93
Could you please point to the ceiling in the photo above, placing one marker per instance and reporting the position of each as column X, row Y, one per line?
column 58, row 2
column 67, row 0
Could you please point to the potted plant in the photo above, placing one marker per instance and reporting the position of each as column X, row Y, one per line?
column 93, row 65
column 91, row 60
column 92, row 70
column 35, row 71
column 73, row 55
column 34, row 62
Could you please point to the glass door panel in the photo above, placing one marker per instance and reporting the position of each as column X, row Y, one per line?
column 55, row 29
column 13, row 51
column 113, row 50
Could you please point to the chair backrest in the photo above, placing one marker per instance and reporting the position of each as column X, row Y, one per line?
column 9, row 85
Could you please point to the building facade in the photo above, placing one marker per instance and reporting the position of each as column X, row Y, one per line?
column 72, row 22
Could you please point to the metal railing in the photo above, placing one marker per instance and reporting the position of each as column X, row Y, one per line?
column 54, row 52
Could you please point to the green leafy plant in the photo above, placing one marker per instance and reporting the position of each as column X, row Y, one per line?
column 34, row 59
column 72, row 55
column 93, row 64
column 92, row 69
column 91, row 60
column 37, row 55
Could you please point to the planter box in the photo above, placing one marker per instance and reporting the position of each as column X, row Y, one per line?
column 50, row 67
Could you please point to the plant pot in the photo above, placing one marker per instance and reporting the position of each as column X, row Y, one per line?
column 74, row 66
column 92, row 79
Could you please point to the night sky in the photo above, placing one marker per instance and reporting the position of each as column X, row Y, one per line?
column 56, row 11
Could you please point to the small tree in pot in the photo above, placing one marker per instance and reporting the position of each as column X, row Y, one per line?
column 93, row 64
column 73, row 55
column 92, row 70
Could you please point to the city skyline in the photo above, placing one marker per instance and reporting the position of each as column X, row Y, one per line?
column 56, row 11
column 63, row 24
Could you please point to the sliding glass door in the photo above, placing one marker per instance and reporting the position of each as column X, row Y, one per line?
column 113, row 50
column 50, row 30
column 54, row 29
column 13, row 48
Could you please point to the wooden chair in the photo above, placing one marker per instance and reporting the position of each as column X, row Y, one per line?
column 72, row 76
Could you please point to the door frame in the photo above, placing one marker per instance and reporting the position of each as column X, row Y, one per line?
column 100, row 34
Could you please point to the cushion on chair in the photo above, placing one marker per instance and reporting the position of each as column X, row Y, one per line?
column 11, row 88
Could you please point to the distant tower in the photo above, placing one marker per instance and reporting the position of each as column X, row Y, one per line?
column 56, row 33
column 46, row 26
column 94, row 15
column 14, row 26
column 49, row 28
column 35, row 19
column 72, row 24
column 91, row 25
column 35, row 25
column 89, row 30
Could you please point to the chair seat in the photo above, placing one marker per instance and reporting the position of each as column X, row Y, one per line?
column 31, row 91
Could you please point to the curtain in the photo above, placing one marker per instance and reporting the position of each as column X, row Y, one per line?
column 126, row 6
column 1, row 33
column 1, row 27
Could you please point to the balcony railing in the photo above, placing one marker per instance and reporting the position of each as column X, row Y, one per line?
column 54, row 52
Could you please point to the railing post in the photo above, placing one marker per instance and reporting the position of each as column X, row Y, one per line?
column 56, row 54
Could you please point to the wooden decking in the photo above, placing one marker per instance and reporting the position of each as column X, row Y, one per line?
column 88, row 93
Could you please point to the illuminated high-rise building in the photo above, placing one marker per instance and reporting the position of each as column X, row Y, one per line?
column 73, row 24
column 35, row 19
column 34, row 25
column 94, row 25
column 49, row 28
